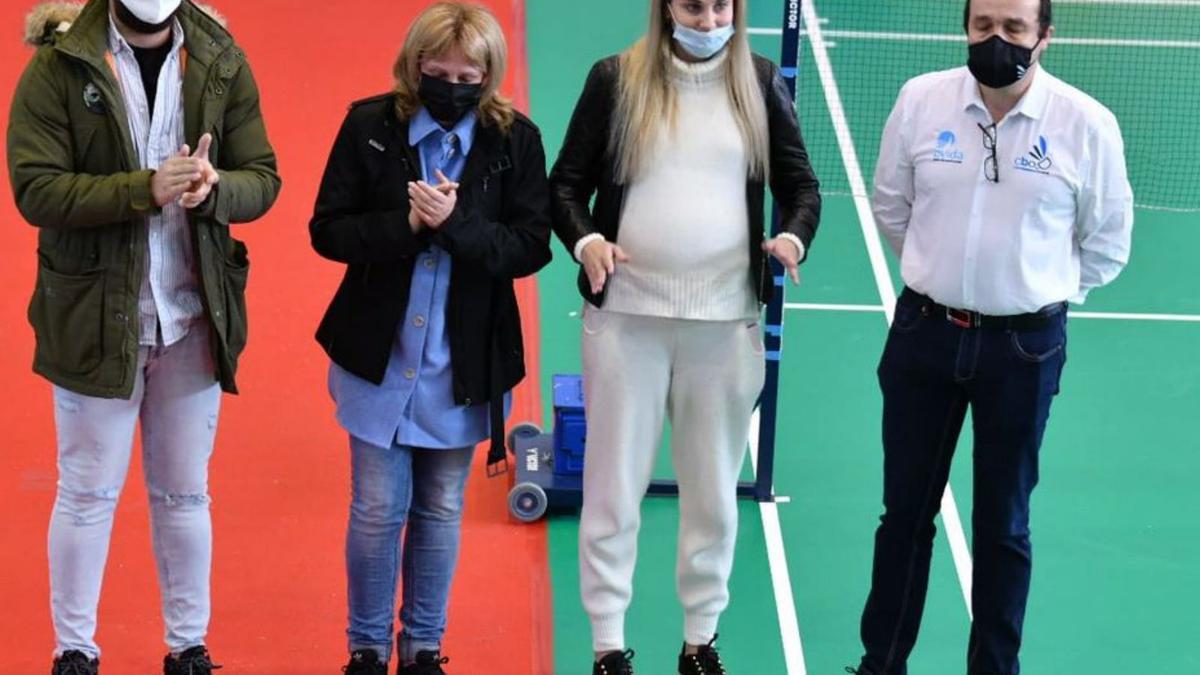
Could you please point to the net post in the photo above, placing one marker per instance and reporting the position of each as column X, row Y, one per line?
column 764, row 484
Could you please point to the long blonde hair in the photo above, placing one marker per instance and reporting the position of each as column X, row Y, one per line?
column 646, row 98
column 442, row 28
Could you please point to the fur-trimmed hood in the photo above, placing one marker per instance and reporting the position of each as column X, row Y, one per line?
column 48, row 18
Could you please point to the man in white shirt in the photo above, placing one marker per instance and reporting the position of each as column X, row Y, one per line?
column 1004, row 192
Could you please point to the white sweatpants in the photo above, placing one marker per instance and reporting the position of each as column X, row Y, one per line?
column 704, row 375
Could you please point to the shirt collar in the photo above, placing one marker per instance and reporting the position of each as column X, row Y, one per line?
column 1031, row 105
column 422, row 126
column 117, row 43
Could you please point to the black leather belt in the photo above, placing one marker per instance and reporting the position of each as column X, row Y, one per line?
column 965, row 318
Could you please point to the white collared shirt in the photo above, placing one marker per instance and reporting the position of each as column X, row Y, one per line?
column 170, row 294
column 1057, row 224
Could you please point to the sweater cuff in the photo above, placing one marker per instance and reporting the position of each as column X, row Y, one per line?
column 582, row 244
column 795, row 240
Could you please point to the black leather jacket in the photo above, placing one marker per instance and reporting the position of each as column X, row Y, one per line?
column 586, row 167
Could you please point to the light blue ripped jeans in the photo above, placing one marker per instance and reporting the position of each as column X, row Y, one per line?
column 177, row 399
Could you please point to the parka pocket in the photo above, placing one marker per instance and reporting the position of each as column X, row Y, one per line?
column 67, row 314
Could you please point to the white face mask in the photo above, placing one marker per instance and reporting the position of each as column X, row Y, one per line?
column 700, row 44
column 151, row 11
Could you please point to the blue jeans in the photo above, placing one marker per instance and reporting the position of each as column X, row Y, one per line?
column 931, row 371
column 394, row 487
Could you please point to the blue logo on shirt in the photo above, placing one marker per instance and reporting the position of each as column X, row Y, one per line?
column 1038, row 160
column 947, row 149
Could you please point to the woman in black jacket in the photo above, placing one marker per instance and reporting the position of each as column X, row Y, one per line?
column 435, row 197
column 676, row 139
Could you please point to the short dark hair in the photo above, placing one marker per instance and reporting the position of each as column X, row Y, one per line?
column 1045, row 17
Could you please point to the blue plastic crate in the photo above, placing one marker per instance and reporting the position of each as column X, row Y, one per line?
column 570, row 426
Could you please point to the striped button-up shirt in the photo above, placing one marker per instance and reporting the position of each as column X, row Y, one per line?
column 170, row 296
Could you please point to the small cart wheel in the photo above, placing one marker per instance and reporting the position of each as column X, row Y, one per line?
column 524, row 430
column 527, row 502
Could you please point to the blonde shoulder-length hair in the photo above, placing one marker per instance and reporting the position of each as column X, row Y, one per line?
column 441, row 29
column 645, row 96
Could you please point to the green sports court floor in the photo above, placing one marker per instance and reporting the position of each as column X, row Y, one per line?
column 1117, row 571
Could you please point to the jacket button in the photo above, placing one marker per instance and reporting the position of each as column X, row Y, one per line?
column 429, row 263
column 120, row 316
column 217, row 313
column 419, row 321
column 410, row 374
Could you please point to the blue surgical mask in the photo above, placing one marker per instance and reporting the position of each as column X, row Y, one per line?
column 700, row 44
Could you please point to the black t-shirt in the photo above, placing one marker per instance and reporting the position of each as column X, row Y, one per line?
column 150, row 62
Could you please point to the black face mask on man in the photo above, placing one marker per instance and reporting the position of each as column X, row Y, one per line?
column 997, row 63
column 448, row 102
column 146, row 16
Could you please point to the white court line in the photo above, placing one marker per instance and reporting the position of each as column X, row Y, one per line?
column 833, row 308
column 958, row 37
column 781, row 580
column 883, row 281
column 1113, row 316
column 1101, row 316
column 1159, row 3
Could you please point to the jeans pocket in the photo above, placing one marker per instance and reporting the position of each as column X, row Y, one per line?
column 1038, row 346
column 908, row 316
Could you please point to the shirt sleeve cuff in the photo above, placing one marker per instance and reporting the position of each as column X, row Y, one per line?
column 795, row 240
column 582, row 244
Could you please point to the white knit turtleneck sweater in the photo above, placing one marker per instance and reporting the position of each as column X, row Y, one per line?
column 685, row 223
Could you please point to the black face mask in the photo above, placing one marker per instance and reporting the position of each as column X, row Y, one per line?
column 997, row 63
column 447, row 102
column 136, row 25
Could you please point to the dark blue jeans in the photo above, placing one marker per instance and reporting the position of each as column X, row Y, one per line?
column 931, row 371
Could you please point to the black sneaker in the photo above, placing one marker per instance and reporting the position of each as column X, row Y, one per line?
column 428, row 663
column 706, row 661
column 75, row 663
column 365, row 662
column 617, row 663
column 194, row 661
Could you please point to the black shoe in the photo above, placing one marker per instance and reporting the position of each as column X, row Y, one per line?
column 706, row 661
column 75, row 663
column 617, row 663
column 365, row 662
column 428, row 663
column 194, row 661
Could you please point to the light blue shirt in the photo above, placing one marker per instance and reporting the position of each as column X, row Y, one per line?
column 414, row 406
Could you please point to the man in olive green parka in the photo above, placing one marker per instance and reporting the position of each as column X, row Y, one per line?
column 135, row 141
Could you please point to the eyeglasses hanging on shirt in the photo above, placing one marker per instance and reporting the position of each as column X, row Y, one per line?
column 991, row 167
